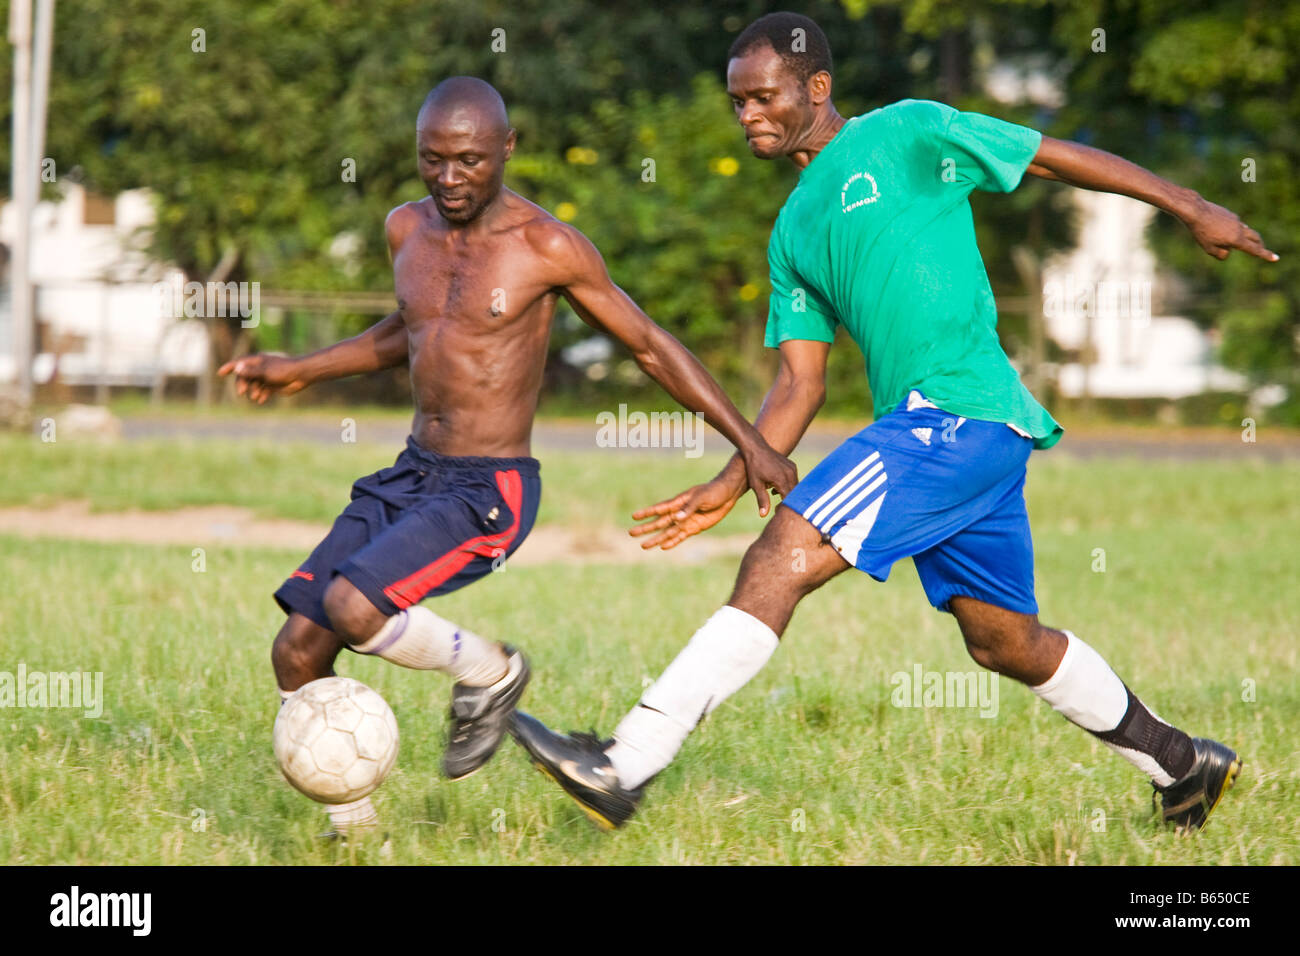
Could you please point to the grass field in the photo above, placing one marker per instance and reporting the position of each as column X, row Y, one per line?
column 811, row 763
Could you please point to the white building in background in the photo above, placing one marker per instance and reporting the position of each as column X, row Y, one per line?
column 102, row 320
column 1105, row 291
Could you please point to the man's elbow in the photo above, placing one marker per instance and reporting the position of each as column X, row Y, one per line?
column 653, row 350
column 650, row 361
column 805, row 390
column 814, row 394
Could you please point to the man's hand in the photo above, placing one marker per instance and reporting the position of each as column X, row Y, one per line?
column 694, row 510
column 1219, row 231
column 766, row 469
column 261, row 376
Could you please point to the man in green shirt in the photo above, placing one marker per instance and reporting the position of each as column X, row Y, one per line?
column 878, row 237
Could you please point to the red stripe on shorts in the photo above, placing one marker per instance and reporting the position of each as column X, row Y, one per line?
column 411, row 589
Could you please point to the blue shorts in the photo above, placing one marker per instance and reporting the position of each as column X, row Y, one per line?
column 428, row 525
column 946, row 491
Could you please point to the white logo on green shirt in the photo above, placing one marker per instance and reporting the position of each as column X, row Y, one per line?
column 860, row 200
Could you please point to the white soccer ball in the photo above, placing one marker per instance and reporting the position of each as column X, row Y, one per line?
column 335, row 739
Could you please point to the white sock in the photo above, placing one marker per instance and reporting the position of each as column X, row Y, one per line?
column 721, row 658
column 358, row 813
column 419, row 639
column 1088, row 693
column 1084, row 690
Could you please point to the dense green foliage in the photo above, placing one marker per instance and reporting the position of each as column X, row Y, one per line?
column 246, row 143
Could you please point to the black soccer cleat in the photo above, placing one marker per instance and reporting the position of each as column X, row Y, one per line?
column 480, row 717
column 577, row 762
column 1188, row 803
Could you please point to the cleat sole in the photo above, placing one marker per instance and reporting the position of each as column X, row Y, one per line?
column 465, row 776
column 592, row 815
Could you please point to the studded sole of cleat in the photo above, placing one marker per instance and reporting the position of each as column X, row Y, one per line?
column 463, row 776
column 592, row 815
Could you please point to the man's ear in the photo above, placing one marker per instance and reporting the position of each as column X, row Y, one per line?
column 819, row 87
column 510, row 142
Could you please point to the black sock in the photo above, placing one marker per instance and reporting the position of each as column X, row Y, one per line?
column 1142, row 731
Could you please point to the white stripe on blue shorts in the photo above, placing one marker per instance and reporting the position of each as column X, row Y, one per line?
column 854, row 500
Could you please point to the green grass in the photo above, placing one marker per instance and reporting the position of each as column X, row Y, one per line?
column 310, row 481
column 809, row 764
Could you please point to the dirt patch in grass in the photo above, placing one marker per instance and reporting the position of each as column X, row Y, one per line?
column 240, row 527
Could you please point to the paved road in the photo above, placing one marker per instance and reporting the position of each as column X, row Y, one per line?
column 575, row 436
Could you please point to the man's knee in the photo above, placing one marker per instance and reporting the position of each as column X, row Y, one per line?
column 787, row 562
column 985, row 650
column 1004, row 641
column 354, row 618
column 303, row 651
column 775, row 561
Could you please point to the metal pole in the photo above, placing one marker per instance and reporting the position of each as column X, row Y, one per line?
column 21, row 191
column 41, row 87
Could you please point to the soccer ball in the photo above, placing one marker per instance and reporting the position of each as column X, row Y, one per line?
column 335, row 739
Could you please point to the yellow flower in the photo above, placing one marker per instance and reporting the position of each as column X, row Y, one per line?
column 724, row 166
column 148, row 96
column 581, row 156
column 565, row 211
column 748, row 291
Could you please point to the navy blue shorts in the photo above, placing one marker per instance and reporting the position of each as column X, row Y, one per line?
column 428, row 525
column 946, row 491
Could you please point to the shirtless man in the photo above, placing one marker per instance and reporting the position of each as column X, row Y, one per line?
column 478, row 271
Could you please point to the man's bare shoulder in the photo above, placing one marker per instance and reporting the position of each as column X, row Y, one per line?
column 404, row 220
column 562, row 247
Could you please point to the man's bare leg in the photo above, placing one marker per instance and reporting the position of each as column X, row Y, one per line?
column 1078, row 684
column 789, row 561
column 303, row 651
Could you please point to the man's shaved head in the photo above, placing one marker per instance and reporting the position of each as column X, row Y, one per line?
column 464, row 96
column 464, row 140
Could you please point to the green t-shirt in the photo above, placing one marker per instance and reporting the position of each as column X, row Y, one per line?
column 878, row 236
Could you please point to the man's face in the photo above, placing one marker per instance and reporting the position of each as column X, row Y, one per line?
column 462, row 161
column 771, row 104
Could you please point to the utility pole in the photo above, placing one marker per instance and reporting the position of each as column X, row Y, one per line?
column 40, row 88
column 31, row 93
column 21, row 192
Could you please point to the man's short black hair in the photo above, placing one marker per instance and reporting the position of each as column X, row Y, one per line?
column 797, row 40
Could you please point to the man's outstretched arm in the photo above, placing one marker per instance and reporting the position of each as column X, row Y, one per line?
column 594, row 296
column 789, row 408
column 1217, row 230
column 383, row 345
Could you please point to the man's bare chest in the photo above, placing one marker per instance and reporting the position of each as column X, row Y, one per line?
column 485, row 286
